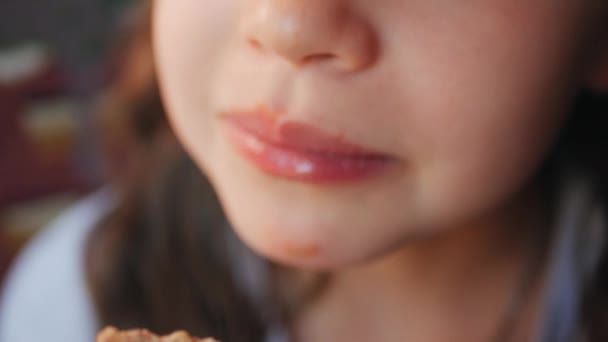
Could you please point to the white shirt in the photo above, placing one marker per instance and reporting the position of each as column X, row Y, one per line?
column 45, row 296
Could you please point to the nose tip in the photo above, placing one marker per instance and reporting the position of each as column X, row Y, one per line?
column 311, row 32
column 287, row 37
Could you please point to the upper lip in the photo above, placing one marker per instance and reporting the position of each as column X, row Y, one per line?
column 297, row 135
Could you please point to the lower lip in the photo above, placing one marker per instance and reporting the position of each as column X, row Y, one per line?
column 305, row 166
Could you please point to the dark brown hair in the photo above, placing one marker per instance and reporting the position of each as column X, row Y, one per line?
column 585, row 142
column 160, row 261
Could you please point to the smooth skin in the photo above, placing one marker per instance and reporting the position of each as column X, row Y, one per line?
column 468, row 96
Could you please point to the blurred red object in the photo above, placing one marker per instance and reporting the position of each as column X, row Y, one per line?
column 25, row 172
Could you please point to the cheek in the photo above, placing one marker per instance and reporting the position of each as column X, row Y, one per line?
column 190, row 39
column 485, row 99
column 475, row 149
column 477, row 157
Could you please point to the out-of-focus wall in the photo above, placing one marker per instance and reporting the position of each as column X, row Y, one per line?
column 77, row 30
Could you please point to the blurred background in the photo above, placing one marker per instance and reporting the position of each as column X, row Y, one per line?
column 55, row 57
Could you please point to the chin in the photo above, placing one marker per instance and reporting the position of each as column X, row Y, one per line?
column 275, row 243
column 311, row 248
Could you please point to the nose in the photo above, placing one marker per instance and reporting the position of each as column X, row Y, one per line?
column 310, row 32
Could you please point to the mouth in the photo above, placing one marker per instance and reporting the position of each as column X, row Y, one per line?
column 300, row 152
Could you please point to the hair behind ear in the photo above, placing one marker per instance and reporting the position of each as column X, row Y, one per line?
column 597, row 78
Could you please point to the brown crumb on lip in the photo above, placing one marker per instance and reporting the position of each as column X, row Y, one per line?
column 111, row 334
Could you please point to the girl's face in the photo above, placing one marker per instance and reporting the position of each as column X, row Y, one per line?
column 334, row 130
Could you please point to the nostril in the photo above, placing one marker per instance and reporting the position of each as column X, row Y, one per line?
column 328, row 33
column 320, row 57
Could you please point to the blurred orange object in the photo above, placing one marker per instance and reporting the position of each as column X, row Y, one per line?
column 111, row 334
